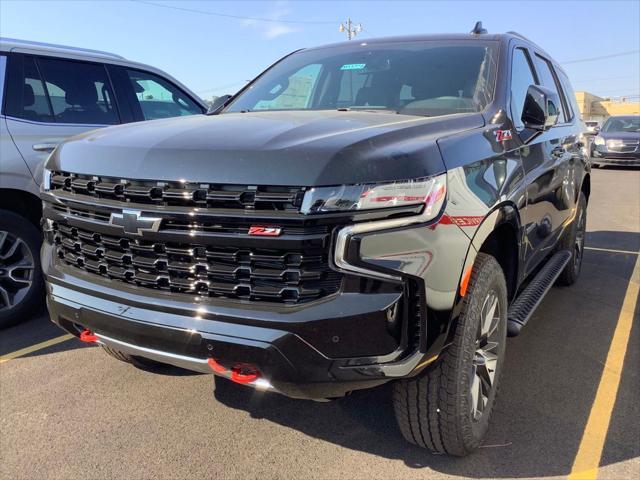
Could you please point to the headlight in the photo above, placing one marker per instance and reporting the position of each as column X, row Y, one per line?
column 598, row 140
column 429, row 192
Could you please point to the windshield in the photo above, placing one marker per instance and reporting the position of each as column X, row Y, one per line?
column 427, row 78
column 622, row 124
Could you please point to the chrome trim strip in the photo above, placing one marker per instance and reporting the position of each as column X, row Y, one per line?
column 137, row 350
column 182, row 361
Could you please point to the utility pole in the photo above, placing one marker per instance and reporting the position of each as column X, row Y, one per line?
column 351, row 28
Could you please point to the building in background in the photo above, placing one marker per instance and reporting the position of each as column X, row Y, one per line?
column 597, row 108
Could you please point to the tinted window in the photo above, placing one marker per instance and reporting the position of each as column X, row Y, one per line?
column 521, row 77
column 26, row 97
column 79, row 92
column 415, row 78
column 159, row 98
column 297, row 92
column 548, row 79
column 570, row 96
column 622, row 124
column 3, row 69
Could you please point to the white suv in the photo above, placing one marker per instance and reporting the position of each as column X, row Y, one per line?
column 48, row 93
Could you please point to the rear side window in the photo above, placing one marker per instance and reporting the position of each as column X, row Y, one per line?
column 548, row 79
column 570, row 96
column 26, row 96
column 3, row 70
column 160, row 99
column 522, row 77
column 79, row 92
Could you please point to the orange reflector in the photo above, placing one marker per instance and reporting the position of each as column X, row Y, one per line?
column 465, row 281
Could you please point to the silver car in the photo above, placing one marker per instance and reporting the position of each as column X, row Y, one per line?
column 48, row 93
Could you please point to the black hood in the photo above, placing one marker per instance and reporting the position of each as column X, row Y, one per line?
column 620, row 135
column 303, row 148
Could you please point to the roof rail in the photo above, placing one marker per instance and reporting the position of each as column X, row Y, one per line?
column 30, row 43
column 519, row 35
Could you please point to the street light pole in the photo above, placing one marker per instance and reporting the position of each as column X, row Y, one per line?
column 351, row 29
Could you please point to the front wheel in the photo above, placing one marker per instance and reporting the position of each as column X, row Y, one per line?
column 21, row 283
column 447, row 408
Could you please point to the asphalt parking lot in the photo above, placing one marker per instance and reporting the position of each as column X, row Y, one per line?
column 69, row 411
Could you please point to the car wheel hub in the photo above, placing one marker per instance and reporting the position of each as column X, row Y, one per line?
column 579, row 243
column 16, row 270
column 485, row 359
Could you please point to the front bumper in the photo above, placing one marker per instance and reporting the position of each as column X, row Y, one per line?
column 601, row 155
column 185, row 335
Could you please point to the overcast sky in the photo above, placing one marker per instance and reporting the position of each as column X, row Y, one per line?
column 216, row 54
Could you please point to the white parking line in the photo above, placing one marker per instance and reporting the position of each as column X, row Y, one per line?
column 35, row 348
column 611, row 250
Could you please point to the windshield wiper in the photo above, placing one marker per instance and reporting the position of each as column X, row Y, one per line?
column 368, row 110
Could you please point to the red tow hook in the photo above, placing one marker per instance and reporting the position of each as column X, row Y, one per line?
column 244, row 374
column 88, row 336
column 216, row 367
column 240, row 373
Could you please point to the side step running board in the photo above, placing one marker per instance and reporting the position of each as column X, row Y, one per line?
column 525, row 304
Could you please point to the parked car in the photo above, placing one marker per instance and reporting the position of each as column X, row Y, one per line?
column 360, row 213
column 48, row 93
column 593, row 127
column 618, row 142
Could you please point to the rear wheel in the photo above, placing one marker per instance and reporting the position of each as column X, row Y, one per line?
column 447, row 408
column 21, row 283
column 574, row 242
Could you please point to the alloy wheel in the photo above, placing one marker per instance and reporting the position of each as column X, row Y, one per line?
column 485, row 360
column 17, row 268
column 579, row 243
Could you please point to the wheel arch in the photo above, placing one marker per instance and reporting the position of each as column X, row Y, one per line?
column 498, row 235
column 586, row 186
column 21, row 203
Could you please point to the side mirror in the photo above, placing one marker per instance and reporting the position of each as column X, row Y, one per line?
column 218, row 104
column 541, row 108
column 596, row 129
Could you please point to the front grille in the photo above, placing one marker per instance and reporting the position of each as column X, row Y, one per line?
column 624, row 146
column 275, row 275
column 179, row 193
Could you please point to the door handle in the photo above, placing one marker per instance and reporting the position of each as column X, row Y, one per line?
column 44, row 147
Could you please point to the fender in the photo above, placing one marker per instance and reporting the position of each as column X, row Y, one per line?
column 504, row 213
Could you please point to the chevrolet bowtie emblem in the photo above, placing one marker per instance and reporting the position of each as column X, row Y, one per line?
column 133, row 222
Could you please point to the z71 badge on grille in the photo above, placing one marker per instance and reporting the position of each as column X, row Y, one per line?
column 265, row 231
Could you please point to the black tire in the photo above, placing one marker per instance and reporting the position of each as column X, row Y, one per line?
column 21, row 282
column 138, row 362
column 573, row 240
column 436, row 409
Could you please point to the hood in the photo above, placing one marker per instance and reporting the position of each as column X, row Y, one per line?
column 620, row 135
column 302, row 148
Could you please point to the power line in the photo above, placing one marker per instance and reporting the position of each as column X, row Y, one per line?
column 603, row 57
column 238, row 17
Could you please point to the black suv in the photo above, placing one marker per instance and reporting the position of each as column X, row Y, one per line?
column 359, row 213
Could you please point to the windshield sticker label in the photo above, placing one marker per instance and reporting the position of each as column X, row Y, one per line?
column 353, row 66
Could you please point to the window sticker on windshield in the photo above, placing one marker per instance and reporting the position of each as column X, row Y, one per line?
column 353, row 66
